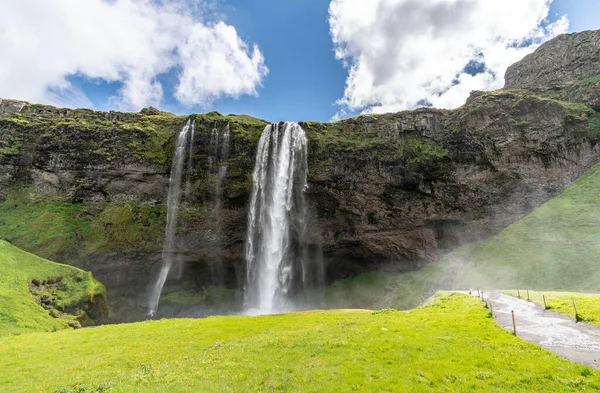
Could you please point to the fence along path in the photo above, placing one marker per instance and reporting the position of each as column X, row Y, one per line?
column 558, row 333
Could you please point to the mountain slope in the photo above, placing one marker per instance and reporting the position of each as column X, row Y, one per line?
column 556, row 247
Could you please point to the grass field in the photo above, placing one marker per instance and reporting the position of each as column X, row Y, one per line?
column 451, row 345
column 19, row 313
column 588, row 305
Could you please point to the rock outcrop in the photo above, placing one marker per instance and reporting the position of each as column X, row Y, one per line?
column 390, row 191
column 566, row 67
column 559, row 63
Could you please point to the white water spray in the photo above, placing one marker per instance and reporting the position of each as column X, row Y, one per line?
column 276, row 254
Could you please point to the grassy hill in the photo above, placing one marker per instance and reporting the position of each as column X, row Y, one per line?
column 71, row 295
column 451, row 345
column 555, row 248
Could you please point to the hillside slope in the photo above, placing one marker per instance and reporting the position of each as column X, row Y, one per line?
column 39, row 295
column 555, row 248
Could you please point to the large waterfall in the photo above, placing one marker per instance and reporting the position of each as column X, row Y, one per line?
column 173, row 200
column 278, row 262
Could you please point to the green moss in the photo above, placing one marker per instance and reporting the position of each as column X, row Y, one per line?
column 317, row 351
column 594, row 123
column 419, row 151
column 10, row 146
column 591, row 81
column 72, row 293
column 55, row 229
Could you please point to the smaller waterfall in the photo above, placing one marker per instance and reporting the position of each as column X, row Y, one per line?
column 173, row 200
column 219, row 148
column 224, row 153
column 214, row 149
column 190, row 163
column 278, row 261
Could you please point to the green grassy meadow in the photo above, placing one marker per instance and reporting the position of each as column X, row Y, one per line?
column 19, row 312
column 450, row 345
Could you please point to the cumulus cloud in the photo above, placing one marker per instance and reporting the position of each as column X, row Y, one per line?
column 133, row 42
column 217, row 52
column 401, row 54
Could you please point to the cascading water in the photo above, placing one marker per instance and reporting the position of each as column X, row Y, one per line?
column 190, row 164
column 224, row 154
column 173, row 200
column 277, row 255
column 219, row 148
column 214, row 149
column 219, row 156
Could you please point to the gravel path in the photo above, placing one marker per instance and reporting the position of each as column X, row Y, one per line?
column 558, row 333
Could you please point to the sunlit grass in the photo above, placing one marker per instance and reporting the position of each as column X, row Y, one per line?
column 452, row 345
column 19, row 313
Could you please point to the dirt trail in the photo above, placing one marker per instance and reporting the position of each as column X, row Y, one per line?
column 558, row 333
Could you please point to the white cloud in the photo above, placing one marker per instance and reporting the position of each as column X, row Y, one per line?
column 217, row 52
column 402, row 53
column 42, row 42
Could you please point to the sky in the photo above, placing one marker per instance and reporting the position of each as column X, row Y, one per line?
column 276, row 60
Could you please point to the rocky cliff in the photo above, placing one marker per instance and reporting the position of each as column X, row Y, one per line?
column 390, row 191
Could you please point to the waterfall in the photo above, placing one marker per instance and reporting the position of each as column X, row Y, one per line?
column 213, row 149
column 173, row 200
column 224, row 154
column 277, row 258
column 190, row 164
column 219, row 154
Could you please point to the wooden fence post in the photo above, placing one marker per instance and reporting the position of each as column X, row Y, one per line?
column 545, row 306
column 514, row 323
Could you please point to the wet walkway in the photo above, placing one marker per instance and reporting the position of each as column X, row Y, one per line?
column 558, row 333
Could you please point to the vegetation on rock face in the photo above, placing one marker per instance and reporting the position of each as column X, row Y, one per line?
column 70, row 223
column 333, row 351
column 588, row 305
column 58, row 230
column 39, row 295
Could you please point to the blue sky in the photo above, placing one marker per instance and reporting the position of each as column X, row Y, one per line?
column 305, row 79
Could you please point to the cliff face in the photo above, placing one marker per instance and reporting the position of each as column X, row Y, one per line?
column 566, row 68
column 390, row 191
